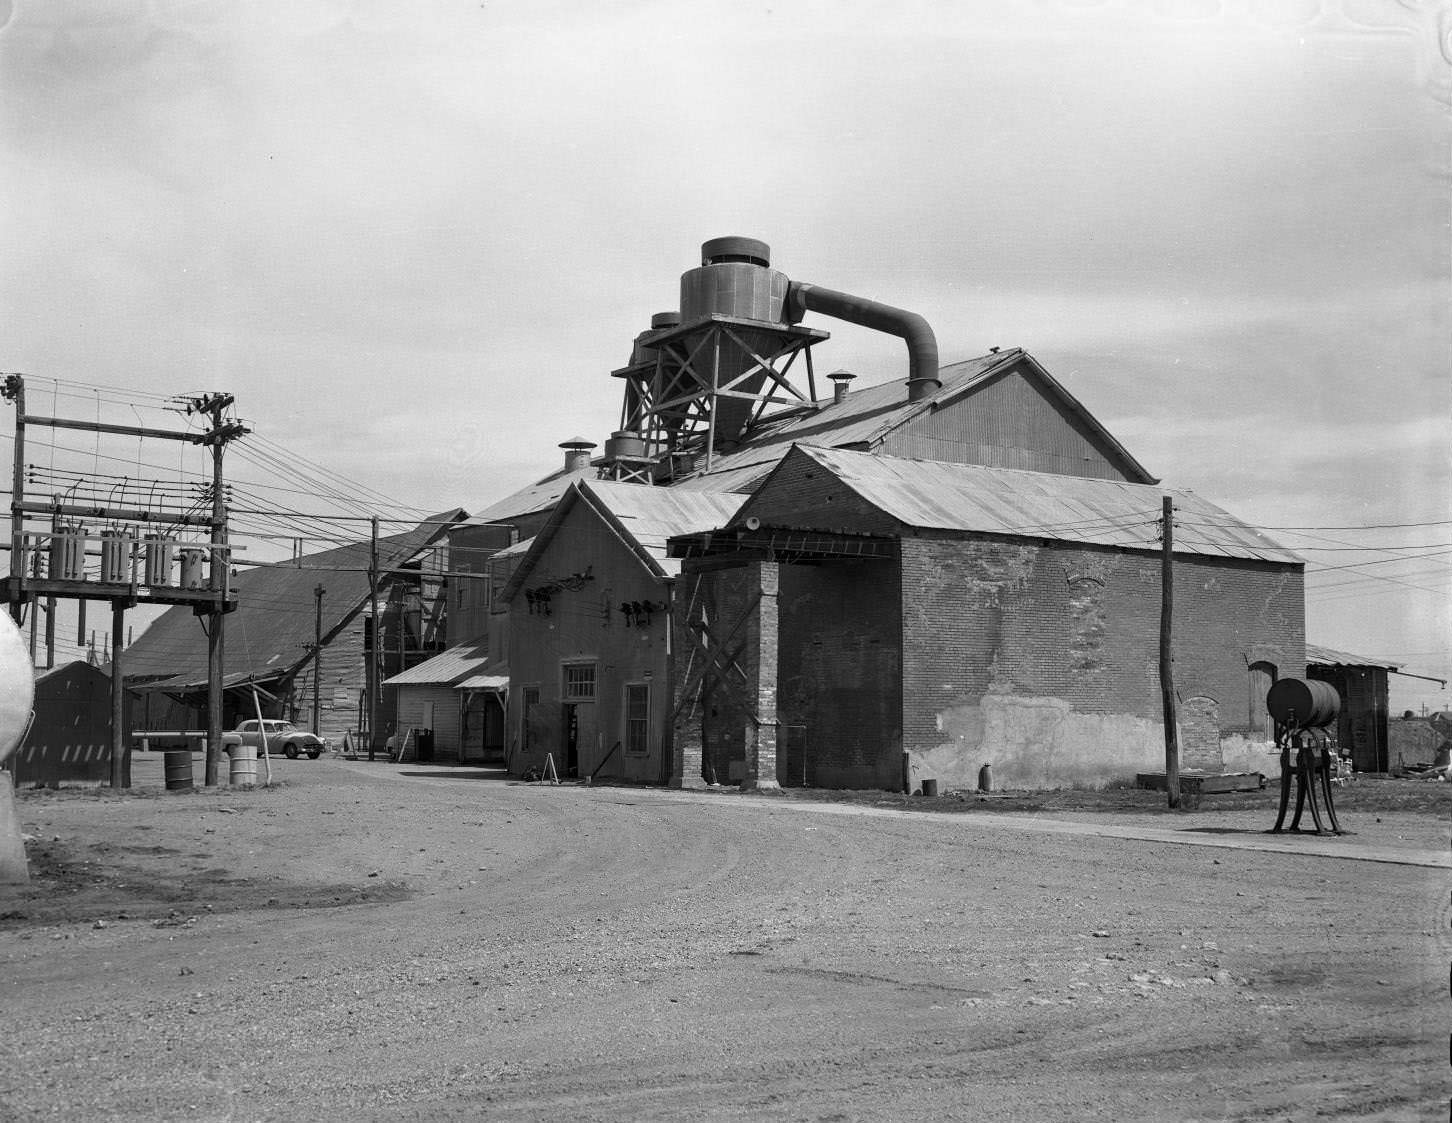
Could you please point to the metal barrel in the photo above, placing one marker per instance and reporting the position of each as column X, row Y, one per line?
column 178, row 768
column 243, row 772
column 1303, row 703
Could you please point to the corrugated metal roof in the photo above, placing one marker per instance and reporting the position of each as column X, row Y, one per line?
column 931, row 494
column 1329, row 657
column 743, row 481
column 646, row 516
column 651, row 515
column 540, row 496
column 862, row 418
column 445, row 668
column 271, row 629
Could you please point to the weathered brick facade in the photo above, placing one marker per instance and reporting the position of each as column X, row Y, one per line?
column 1041, row 658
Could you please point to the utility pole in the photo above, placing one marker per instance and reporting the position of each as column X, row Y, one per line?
column 119, row 778
column 371, row 680
column 221, row 431
column 15, row 391
column 317, row 658
column 1167, row 651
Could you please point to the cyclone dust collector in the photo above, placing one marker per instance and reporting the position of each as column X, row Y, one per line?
column 700, row 378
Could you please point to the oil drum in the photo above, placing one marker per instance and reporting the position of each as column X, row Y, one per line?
column 178, row 768
column 1303, row 703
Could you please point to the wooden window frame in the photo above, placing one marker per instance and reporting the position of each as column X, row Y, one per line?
column 627, row 721
column 568, row 691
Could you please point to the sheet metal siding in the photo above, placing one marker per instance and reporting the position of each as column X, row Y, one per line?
column 446, row 702
column 1005, row 423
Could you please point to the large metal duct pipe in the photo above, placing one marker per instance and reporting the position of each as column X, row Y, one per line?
column 922, row 344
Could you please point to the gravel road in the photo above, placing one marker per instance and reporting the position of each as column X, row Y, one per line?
column 380, row 942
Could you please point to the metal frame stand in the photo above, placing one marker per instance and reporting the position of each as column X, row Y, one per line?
column 1312, row 768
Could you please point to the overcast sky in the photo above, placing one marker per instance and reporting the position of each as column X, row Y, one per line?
column 414, row 238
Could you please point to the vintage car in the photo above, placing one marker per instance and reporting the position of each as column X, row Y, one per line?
column 282, row 737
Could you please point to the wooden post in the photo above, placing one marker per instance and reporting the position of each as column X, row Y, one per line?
column 370, row 677
column 118, row 696
column 317, row 657
column 216, row 633
column 1167, row 652
column 15, row 390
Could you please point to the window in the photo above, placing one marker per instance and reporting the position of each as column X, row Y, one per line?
column 579, row 682
column 528, row 703
column 637, row 718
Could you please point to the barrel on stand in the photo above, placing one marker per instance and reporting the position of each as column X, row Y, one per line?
column 178, row 768
column 244, row 766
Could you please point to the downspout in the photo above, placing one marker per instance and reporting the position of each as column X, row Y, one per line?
column 922, row 344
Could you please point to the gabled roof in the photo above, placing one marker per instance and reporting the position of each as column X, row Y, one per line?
column 643, row 517
column 446, row 668
column 1329, row 657
column 273, row 625
column 868, row 416
column 61, row 670
column 540, row 496
column 935, row 495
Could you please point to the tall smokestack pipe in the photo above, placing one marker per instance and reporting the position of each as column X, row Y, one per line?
column 922, row 344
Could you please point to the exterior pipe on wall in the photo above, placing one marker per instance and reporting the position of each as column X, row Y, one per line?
column 922, row 344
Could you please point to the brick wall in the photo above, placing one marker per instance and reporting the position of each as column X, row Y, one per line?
column 1043, row 657
column 585, row 625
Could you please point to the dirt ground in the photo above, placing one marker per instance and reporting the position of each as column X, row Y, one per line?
column 375, row 941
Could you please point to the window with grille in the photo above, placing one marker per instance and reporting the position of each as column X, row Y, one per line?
column 528, row 704
column 579, row 682
column 637, row 718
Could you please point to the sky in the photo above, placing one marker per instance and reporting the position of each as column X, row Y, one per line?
column 414, row 239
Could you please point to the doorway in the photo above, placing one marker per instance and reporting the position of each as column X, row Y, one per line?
column 579, row 736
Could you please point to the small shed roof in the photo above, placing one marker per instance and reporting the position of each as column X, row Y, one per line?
column 1330, row 657
column 444, row 669
column 932, row 494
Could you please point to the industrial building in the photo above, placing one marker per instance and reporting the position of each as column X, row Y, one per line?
column 913, row 579
column 916, row 619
